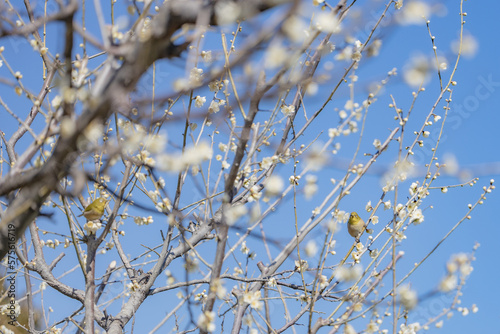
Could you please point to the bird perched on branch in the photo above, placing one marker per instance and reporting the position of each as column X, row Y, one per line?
column 95, row 210
column 355, row 225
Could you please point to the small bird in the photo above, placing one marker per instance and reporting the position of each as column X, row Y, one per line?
column 95, row 210
column 355, row 225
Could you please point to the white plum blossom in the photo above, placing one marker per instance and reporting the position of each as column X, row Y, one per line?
column 333, row 132
column 226, row 165
column 410, row 329
column 6, row 309
column 199, row 101
column 301, row 265
column 418, row 71
column 407, row 297
column 276, row 55
column 253, row 299
column 346, row 273
column 92, row 226
column 311, row 248
column 311, row 187
column 222, row 147
column 192, row 156
column 449, row 283
column 274, row 185
column 255, row 193
column 327, row 23
column 215, row 106
column 206, row 56
column 227, row 12
column 295, row 28
column 234, row 213
column 417, row 217
column 244, row 249
column 414, row 12
column 196, row 76
column 206, row 321
column 287, row 110
column 323, row 281
column 143, row 220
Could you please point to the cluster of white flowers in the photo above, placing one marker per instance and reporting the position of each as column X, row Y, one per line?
column 316, row 158
column 227, row 12
column 323, row 281
column 401, row 171
column 311, row 248
column 327, row 22
column 199, row 101
column 237, row 271
column 348, row 273
column 340, row 216
column 416, row 216
column 206, row 321
column 143, row 220
column 191, row 262
column 295, row 28
column 418, row 71
column 6, row 309
column 253, row 299
column 458, row 266
column 407, row 297
column 294, row 179
column 217, row 85
column 3, row 329
column 54, row 330
column 226, row 165
column 410, row 328
column 133, row 286
column 196, row 76
column 414, row 13
column 255, row 193
column 276, row 56
column 469, row 45
column 288, row 110
column 51, row 244
column 333, row 132
column 268, row 161
column 206, row 56
column 274, row 185
column 311, row 186
column 372, row 327
column 145, row 31
column 272, row 282
column 244, row 249
column 356, row 52
column 192, row 156
column 135, row 137
column 215, row 105
column 220, row 290
column 164, row 205
column 301, row 265
column 234, row 213
column 92, row 226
